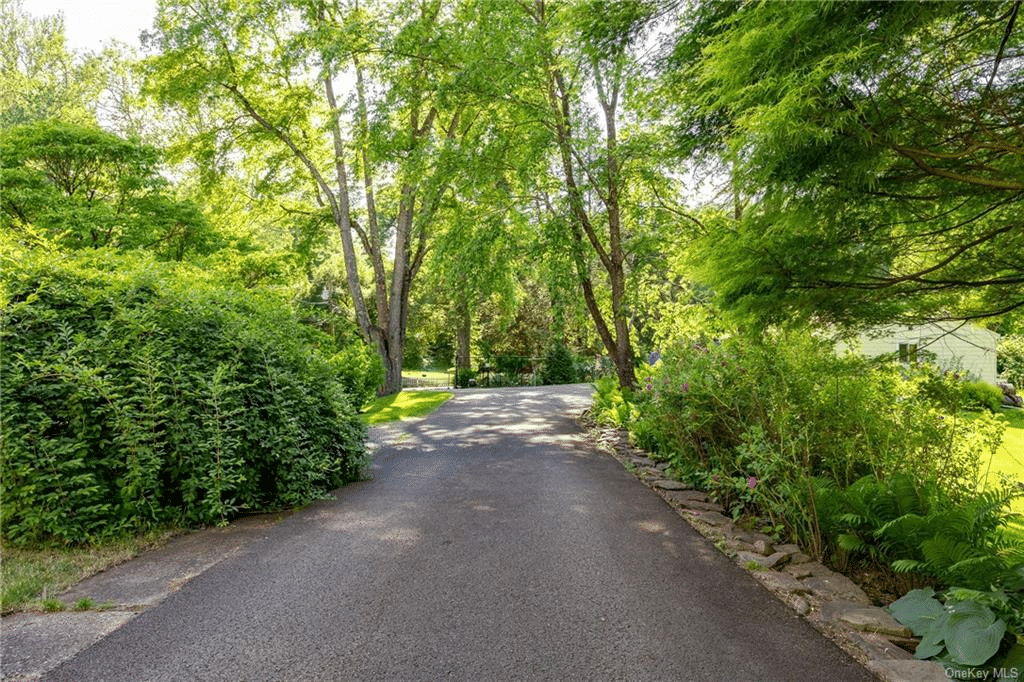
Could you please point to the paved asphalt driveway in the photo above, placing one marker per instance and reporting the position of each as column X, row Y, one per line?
column 492, row 543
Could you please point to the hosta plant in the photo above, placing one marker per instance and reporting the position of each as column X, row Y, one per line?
column 967, row 631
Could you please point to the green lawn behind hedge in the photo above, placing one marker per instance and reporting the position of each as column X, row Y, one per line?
column 404, row 405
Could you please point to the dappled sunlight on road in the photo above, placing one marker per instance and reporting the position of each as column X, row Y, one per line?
column 401, row 535
column 537, row 416
column 653, row 526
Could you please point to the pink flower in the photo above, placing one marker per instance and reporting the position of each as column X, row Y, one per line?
column 751, row 482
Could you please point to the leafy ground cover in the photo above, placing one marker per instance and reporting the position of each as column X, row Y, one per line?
column 404, row 405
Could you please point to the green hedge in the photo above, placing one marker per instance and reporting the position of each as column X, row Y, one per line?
column 136, row 393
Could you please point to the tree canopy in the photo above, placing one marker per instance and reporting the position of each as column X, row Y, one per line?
column 882, row 146
column 81, row 187
column 467, row 168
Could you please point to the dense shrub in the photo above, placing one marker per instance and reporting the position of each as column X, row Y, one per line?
column 1011, row 361
column 981, row 395
column 768, row 418
column 952, row 391
column 359, row 370
column 137, row 394
column 465, row 377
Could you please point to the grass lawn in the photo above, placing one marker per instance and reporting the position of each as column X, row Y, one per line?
column 427, row 378
column 31, row 577
column 403, row 406
column 431, row 374
column 1009, row 459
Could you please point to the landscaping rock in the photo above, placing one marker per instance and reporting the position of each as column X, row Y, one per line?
column 681, row 496
column 765, row 547
column 760, row 559
column 908, row 671
column 712, row 518
column 746, row 536
column 799, row 604
column 879, row 647
column 669, row 484
column 799, row 558
column 808, row 569
column 799, row 570
column 734, row 545
column 747, row 558
column 781, row 583
column 795, row 555
column 864, row 618
column 702, row 506
column 837, row 587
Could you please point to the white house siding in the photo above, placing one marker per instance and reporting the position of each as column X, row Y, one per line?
column 965, row 348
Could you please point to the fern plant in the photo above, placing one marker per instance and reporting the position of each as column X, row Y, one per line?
column 611, row 404
column 916, row 528
column 871, row 504
column 966, row 544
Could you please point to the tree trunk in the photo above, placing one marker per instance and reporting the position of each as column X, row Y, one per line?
column 462, row 337
column 392, row 355
column 612, row 258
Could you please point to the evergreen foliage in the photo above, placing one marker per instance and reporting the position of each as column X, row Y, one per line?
column 135, row 394
column 559, row 366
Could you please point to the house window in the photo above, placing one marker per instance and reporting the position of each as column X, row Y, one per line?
column 908, row 353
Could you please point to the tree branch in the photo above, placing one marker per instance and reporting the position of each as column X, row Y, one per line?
column 916, row 157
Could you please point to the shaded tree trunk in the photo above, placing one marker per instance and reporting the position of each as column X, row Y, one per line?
column 462, row 337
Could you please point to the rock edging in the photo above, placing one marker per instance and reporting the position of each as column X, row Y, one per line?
column 832, row 603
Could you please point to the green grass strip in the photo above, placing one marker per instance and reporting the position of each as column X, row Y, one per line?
column 32, row 575
column 404, row 405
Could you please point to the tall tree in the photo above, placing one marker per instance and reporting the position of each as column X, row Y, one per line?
column 587, row 50
column 884, row 143
column 269, row 75
column 40, row 77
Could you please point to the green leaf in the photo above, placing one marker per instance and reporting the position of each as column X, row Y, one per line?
column 972, row 633
column 1014, row 659
column 931, row 643
column 918, row 610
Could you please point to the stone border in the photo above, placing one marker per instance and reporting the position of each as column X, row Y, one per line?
column 832, row 603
